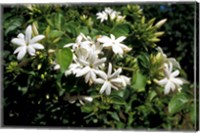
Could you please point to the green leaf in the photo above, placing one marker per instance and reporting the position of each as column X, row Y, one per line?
column 177, row 103
column 71, row 27
column 143, row 60
column 139, row 81
column 64, row 58
column 12, row 25
column 114, row 115
column 115, row 99
column 193, row 113
column 152, row 95
column 88, row 108
column 58, row 20
column 84, row 30
column 121, row 30
column 55, row 34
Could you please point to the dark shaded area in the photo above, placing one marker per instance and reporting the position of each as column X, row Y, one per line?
column 178, row 40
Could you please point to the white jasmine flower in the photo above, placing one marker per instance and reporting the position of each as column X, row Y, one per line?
column 73, row 69
column 26, row 43
column 102, row 16
column 81, row 56
column 125, row 80
column 81, row 41
column 115, row 44
column 90, row 67
column 171, row 82
column 109, row 80
column 108, row 10
column 96, row 48
column 114, row 14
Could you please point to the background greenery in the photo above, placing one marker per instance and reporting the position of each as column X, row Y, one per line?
column 30, row 97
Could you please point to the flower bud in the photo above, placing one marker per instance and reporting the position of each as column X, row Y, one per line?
column 34, row 29
column 160, row 23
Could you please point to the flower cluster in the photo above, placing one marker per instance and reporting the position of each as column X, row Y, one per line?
column 111, row 14
column 89, row 62
column 90, row 59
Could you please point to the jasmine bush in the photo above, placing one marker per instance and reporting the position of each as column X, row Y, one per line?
column 91, row 66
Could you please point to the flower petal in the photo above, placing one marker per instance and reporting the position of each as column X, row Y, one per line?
column 120, row 39
column 124, row 47
column 175, row 73
column 109, row 69
column 21, row 53
column 177, row 81
column 36, row 39
column 112, row 37
column 21, row 36
column 117, row 50
column 28, row 33
column 170, row 67
column 31, row 50
column 116, row 80
column 108, row 89
column 116, row 73
column 83, row 62
column 104, row 39
column 17, row 50
column 93, row 75
column 99, row 62
column 99, row 81
column 167, row 88
column 104, row 87
column 87, row 77
column 68, row 45
column 163, row 81
column 18, row 41
column 37, row 46
column 107, row 45
column 102, row 74
column 83, row 71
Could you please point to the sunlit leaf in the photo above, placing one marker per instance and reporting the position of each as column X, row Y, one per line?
column 177, row 103
column 121, row 30
column 139, row 81
column 64, row 58
column 115, row 99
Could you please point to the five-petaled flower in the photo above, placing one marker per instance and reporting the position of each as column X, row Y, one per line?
column 90, row 67
column 115, row 44
column 171, row 82
column 102, row 16
column 26, row 43
column 109, row 80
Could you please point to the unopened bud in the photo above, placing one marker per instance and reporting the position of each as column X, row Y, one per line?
column 160, row 23
column 34, row 28
column 51, row 51
column 158, row 34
